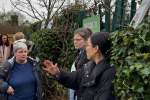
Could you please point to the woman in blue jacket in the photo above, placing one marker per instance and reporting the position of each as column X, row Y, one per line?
column 20, row 76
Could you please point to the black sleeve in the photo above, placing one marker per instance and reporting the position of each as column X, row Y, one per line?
column 69, row 79
column 11, row 52
column 11, row 49
column 3, row 75
column 28, row 45
column 11, row 55
column 40, row 75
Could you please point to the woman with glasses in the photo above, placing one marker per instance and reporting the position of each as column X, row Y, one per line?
column 80, row 39
column 5, row 46
column 93, row 81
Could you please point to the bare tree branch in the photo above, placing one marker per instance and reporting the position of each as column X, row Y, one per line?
column 50, row 3
column 30, row 7
column 58, row 8
column 106, row 7
column 23, row 11
column 52, row 7
column 45, row 4
column 3, row 4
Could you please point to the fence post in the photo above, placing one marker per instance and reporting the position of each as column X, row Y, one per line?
column 115, row 17
column 123, row 7
column 26, row 34
column 80, row 16
column 133, row 9
column 120, row 11
column 100, row 13
column 107, row 18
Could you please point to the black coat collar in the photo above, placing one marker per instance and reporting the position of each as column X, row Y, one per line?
column 95, row 70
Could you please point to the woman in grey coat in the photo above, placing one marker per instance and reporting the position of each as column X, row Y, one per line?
column 20, row 76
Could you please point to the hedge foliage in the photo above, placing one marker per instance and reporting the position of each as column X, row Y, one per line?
column 56, row 45
column 131, row 55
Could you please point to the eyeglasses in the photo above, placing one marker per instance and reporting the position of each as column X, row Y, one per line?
column 89, row 45
column 77, row 40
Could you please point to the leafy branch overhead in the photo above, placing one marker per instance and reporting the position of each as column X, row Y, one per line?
column 131, row 56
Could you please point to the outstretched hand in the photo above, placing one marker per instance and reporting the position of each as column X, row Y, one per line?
column 52, row 69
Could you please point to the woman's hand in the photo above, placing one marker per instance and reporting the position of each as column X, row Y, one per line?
column 53, row 69
column 10, row 90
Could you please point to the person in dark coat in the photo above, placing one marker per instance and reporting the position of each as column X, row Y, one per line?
column 80, row 39
column 18, row 37
column 20, row 76
column 93, row 81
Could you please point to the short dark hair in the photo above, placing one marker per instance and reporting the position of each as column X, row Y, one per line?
column 1, row 42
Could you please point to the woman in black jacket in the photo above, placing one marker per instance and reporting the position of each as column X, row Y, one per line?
column 80, row 39
column 93, row 81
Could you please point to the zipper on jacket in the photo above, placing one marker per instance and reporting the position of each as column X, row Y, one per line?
column 80, row 59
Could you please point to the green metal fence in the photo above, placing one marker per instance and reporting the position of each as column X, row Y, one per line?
column 109, row 26
column 120, row 6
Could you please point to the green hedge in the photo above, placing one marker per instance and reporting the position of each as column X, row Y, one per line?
column 131, row 55
column 56, row 45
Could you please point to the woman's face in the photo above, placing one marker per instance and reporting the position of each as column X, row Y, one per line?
column 79, row 42
column 21, row 54
column 4, row 38
column 90, row 50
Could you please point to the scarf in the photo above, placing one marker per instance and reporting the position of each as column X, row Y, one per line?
column 4, row 55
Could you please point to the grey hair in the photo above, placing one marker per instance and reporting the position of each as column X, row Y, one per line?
column 19, row 45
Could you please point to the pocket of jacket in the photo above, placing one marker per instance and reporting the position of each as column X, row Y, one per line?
column 91, row 92
column 88, row 95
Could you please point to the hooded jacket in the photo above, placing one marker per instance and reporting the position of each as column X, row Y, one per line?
column 93, row 81
column 80, row 60
column 5, row 72
column 11, row 50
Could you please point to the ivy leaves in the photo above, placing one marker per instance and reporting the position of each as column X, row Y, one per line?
column 131, row 56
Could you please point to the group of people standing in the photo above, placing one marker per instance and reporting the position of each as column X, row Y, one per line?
column 91, row 74
column 6, row 47
column 89, row 79
column 20, row 75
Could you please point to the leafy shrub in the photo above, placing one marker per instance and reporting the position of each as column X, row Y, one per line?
column 35, row 26
column 56, row 45
column 131, row 55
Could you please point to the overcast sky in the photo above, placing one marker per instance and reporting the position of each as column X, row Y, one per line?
column 5, row 4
